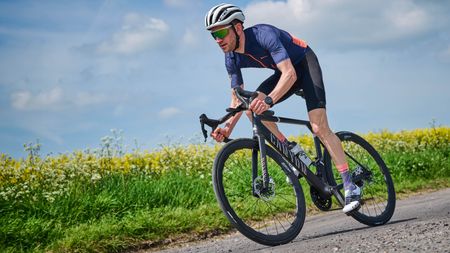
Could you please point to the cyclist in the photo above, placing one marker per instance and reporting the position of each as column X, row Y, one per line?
column 296, row 67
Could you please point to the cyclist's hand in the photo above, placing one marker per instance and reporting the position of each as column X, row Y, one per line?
column 258, row 105
column 220, row 133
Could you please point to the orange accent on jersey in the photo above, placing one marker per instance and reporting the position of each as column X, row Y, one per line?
column 260, row 62
column 299, row 42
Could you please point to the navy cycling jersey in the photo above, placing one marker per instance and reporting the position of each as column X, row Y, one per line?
column 265, row 47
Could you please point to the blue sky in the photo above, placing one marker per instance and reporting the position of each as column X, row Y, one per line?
column 70, row 71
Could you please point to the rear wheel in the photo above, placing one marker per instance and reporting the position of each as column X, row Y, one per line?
column 271, row 216
column 370, row 173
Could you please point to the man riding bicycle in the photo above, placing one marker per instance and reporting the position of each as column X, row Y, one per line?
column 296, row 67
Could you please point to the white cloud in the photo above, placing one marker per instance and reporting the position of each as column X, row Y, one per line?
column 182, row 3
column 338, row 24
column 411, row 19
column 138, row 33
column 25, row 100
column 169, row 112
column 54, row 99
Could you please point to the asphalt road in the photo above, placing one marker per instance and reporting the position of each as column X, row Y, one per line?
column 421, row 223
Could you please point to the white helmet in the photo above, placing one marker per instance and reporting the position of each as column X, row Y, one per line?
column 223, row 14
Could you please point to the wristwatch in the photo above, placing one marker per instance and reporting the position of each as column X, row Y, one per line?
column 268, row 100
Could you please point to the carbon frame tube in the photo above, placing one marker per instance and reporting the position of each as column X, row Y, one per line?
column 264, row 133
column 286, row 120
column 254, row 168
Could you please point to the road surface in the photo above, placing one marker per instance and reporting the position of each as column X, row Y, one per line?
column 421, row 223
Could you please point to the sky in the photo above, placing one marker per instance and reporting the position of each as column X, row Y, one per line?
column 71, row 71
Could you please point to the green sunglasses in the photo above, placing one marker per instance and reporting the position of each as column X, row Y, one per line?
column 221, row 33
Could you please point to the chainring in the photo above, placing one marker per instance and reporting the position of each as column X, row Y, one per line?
column 323, row 204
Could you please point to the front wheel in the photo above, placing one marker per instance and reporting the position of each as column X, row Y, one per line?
column 271, row 216
column 371, row 174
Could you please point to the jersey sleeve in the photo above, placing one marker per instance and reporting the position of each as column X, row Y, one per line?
column 234, row 72
column 269, row 38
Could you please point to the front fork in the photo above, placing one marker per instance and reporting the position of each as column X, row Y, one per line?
column 254, row 169
column 263, row 159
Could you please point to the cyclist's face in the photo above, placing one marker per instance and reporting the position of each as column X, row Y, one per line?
column 225, row 37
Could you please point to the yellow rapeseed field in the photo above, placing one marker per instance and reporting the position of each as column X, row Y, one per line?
column 38, row 178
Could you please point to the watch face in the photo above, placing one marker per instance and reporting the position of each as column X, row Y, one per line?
column 268, row 100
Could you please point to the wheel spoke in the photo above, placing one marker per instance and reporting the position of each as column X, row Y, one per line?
column 376, row 184
column 269, row 216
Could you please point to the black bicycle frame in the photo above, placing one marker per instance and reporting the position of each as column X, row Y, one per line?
column 262, row 134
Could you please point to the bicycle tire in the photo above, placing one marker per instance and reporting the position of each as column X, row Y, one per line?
column 378, row 193
column 259, row 219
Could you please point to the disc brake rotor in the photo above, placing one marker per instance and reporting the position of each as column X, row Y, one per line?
column 265, row 194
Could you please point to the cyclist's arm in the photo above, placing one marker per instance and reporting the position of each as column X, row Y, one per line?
column 269, row 39
column 235, row 75
column 231, row 123
column 287, row 79
column 220, row 133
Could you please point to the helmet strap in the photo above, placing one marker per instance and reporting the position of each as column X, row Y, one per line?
column 237, row 38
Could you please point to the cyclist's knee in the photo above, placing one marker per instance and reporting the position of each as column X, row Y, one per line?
column 321, row 130
column 319, row 123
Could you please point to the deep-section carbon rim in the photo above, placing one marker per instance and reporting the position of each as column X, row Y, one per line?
column 370, row 173
column 274, row 219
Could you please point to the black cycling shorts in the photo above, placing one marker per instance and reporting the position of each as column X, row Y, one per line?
column 309, row 78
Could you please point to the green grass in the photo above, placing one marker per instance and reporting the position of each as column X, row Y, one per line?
column 111, row 215
column 84, row 203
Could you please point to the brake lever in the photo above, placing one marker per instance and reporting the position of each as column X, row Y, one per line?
column 205, row 133
column 210, row 122
column 203, row 120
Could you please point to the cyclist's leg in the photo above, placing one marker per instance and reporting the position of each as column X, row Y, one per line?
column 319, row 123
column 314, row 90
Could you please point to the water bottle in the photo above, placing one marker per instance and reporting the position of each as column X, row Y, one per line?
column 298, row 151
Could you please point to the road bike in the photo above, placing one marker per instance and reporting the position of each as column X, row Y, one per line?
column 256, row 180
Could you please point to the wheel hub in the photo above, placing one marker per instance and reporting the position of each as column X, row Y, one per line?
column 265, row 194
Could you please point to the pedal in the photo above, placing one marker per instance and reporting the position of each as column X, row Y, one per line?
column 354, row 211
